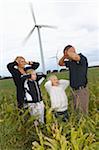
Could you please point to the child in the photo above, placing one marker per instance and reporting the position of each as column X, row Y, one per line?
column 59, row 102
column 33, row 97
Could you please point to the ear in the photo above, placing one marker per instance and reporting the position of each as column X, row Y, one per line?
column 66, row 55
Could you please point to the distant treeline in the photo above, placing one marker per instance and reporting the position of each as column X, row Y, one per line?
column 93, row 66
column 3, row 78
column 49, row 71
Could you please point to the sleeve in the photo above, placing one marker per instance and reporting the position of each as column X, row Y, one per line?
column 40, row 77
column 34, row 66
column 48, row 86
column 41, row 80
column 25, row 85
column 64, row 83
column 67, row 64
column 27, row 91
column 25, row 76
column 83, row 60
column 12, row 69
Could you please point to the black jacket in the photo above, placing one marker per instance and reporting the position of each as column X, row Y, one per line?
column 78, row 71
column 19, row 79
column 32, row 90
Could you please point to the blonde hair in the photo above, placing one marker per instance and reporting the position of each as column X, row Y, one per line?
column 52, row 77
column 19, row 57
column 30, row 71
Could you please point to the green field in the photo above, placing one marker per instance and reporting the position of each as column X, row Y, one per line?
column 19, row 132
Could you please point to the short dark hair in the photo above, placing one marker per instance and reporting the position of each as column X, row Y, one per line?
column 67, row 48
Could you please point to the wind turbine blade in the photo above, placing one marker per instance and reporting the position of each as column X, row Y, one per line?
column 28, row 36
column 48, row 26
column 32, row 11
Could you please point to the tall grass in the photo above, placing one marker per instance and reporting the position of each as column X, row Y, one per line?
column 18, row 132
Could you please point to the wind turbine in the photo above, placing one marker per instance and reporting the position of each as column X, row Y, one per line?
column 56, row 57
column 39, row 36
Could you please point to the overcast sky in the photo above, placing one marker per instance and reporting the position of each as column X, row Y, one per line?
column 77, row 24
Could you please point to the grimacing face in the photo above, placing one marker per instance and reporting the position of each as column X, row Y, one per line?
column 70, row 50
column 21, row 62
column 54, row 81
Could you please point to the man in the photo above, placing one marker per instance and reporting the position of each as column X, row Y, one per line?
column 78, row 65
column 18, row 71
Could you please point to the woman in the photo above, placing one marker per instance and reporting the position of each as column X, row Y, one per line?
column 18, row 71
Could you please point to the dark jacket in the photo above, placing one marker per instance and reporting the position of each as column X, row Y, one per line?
column 32, row 90
column 19, row 79
column 78, row 71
